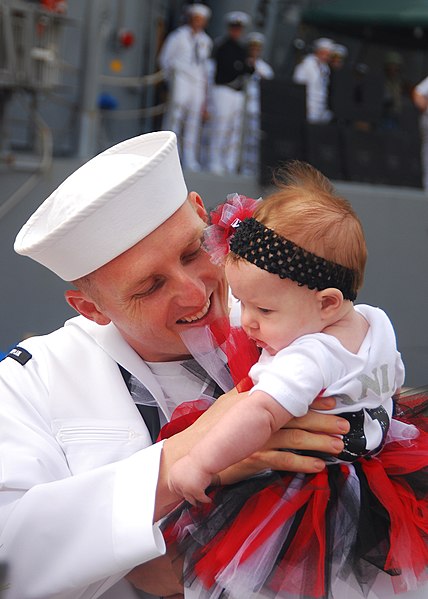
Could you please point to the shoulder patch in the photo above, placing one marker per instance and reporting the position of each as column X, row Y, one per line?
column 19, row 354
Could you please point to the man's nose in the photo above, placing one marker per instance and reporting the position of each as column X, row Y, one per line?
column 190, row 290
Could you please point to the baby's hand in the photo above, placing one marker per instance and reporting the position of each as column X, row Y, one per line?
column 188, row 480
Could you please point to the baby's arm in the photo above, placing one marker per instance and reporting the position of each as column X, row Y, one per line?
column 244, row 429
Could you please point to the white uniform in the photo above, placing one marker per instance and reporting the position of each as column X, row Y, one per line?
column 78, row 470
column 227, row 104
column 316, row 76
column 184, row 58
column 422, row 88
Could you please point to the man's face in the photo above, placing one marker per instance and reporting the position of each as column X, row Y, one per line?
column 235, row 31
column 162, row 286
column 323, row 54
column 254, row 50
column 198, row 22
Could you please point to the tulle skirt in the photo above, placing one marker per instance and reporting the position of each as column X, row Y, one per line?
column 287, row 535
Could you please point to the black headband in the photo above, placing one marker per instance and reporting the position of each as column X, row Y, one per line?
column 269, row 251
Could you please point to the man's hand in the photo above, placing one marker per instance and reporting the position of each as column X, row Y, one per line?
column 312, row 432
column 157, row 577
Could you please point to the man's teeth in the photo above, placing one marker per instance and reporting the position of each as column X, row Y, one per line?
column 198, row 315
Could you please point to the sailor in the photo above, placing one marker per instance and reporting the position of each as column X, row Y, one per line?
column 252, row 129
column 314, row 72
column 232, row 70
column 81, row 483
column 184, row 58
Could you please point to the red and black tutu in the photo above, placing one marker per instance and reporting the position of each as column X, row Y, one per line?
column 288, row 535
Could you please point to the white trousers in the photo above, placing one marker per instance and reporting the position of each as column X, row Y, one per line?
column 227, row 114
column 184, row 116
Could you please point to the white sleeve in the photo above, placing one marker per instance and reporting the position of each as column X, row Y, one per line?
column 171, row 51
column 264, row 69
column 68, row 536
column 294, row 377
column 86, row 528
column 164, row 54
column 301, row 73
column 422, row 87
column 174, row 56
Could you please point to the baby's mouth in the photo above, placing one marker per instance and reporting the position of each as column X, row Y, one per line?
column 198, row 316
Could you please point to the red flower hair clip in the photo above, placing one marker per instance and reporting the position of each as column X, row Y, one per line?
column 224, row 221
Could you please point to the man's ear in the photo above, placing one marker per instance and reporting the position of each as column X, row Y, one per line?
column 197, row 203
column 85, row 306
column 331, row 301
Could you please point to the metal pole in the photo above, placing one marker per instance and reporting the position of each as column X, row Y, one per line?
column 94, row 35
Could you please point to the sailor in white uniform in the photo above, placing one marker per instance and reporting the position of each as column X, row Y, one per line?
column 314, row 72
column 184, row 59
column 82, row 485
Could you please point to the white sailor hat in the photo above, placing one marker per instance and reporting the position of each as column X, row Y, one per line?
column 105, row 207
column 237, row 17
column 340, row 50
column 200, row 10
column 324, row 43
column 255, row 37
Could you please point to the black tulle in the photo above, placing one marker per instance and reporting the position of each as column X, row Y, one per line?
column 367, row 517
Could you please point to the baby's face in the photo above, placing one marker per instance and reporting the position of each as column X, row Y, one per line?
column 274, row 311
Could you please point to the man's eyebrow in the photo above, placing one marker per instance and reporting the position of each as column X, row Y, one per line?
column 145, row 277
column 197, row 236
column 134, row 286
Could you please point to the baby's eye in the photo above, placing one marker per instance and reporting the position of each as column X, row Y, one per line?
column 265, row 310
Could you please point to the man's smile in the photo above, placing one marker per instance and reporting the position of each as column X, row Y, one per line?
column 198, row 316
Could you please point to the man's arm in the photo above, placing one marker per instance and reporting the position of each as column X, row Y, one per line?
column 420, row 101
column 67, row 527
column 312, row 432
column 93, row 527
column 160, row 576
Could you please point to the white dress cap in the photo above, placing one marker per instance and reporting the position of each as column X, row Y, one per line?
column 255, row 37
column 340, row 50
column 324, row 43
column 107, row 206
column 237, row 17
column 200, row 10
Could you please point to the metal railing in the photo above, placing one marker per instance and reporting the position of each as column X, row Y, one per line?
column 30, row 64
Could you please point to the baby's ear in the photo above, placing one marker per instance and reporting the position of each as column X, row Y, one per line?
column 331, row 300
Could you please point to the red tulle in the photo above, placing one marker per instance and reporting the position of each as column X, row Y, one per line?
column 398, row 458
column 241, row 351
column 302, row 569
column 408, row 512
column 224, row 220
column 183, row 416
column 396, row 478
column 223, row 548
column 311, row 541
